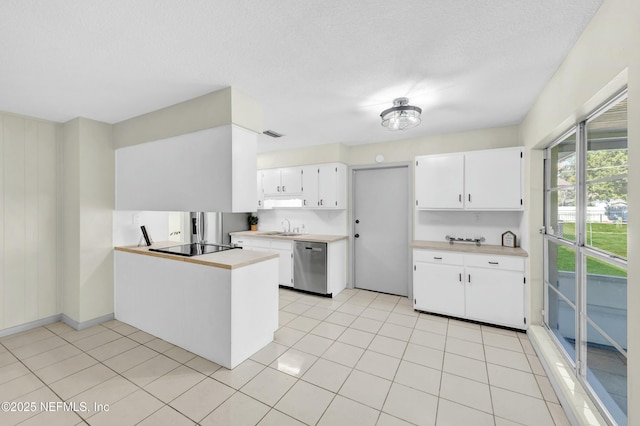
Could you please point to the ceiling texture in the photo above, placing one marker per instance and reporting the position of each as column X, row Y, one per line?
column 323, row 70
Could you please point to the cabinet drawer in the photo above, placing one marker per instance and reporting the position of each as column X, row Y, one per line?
column 281, row 245
column 507, row 263
column 439, row 257
column 261, row 243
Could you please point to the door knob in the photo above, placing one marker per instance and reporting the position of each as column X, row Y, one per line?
column 357, row 235
column 357, row 221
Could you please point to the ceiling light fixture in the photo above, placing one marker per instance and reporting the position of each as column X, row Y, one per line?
column 401, row 116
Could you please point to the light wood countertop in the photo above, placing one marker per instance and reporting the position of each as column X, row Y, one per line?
column 320, row 238
column 227, row 259
column 469, row 248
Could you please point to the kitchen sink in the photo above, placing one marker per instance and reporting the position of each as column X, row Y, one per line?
column 282, row 234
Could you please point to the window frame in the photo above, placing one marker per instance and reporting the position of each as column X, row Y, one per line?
column 581, row 249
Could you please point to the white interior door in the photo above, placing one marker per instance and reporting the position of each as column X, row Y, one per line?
column 381, row 229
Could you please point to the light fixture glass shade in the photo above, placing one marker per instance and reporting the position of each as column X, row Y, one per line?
column 401, row 116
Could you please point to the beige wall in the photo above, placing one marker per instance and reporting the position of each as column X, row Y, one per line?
column 89, row 189
column 71, row 218
column 394, row 151
column 406, row 150
column 214, row 109
column 605, row 58
column 328, row 153
column 28, row 220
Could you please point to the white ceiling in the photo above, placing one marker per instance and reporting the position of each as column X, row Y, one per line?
column 323, row 70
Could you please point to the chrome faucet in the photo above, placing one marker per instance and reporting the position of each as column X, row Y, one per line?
column 288, row 228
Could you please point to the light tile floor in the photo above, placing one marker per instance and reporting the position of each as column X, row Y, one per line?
column 361, row 358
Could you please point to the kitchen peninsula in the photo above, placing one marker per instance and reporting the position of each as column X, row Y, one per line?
column 222, row 306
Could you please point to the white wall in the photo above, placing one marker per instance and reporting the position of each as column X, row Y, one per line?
column 332, row 222
column 434, row 226
column 128, row 233
column 604, row 59
column 29, row 215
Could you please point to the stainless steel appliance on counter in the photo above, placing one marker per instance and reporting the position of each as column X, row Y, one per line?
column 310, row 267
column 214, row 227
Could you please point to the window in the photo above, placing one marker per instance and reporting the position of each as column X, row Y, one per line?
column 586, row 252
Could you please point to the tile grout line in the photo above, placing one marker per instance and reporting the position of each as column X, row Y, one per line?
column 42, row 381
column 486, row 366
column 289, row 347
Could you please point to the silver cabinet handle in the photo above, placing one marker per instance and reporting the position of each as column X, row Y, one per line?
column 469, row 197
column 284, row 189
column 493, row 263
column 459, row 198
column 437, row 258
column 278, row 188
column 460, row 277
column 469, row 278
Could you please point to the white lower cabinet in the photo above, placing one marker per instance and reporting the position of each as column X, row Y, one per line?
column 439, row 288
column 483, row 288
column 283, row 248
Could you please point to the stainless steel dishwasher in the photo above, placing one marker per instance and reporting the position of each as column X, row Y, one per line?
column 310, row 267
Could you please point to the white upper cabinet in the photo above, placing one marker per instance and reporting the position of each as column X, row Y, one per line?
column 209, row 170
column 270, row 181
column 317, row 186
column 440, row 181
column 331, row 182
column 475, row 180
column 291, row 179
column 493, row 179
column 310, row 187
column 282, row 181
column 260, row 192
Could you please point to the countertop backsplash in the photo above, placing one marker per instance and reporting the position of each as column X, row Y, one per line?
column 126, row 232
column 435, row 225
column 330, row 222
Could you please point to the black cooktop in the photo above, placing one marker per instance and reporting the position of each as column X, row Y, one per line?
column 194, row 249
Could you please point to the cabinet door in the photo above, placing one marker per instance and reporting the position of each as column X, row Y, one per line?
column 285, row 250
column 493, row 179
column 260, row 192
column 285, row 267
column 328, row 186
column 291, row 180
column 439, row 181
column 271, row 182
column 495, row 296
column 439, row 288
column 310, row 187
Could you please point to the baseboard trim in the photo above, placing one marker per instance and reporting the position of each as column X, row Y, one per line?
column 56, row 318
column 29, row 325
column 85, row 324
